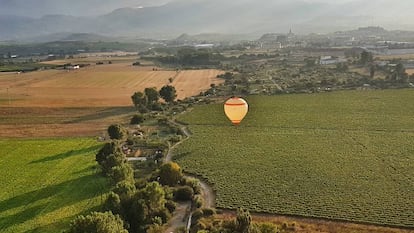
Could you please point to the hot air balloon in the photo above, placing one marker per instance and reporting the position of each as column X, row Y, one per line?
column 235, row 109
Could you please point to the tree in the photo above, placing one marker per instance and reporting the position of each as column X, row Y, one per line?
column 310, row 61
column 137, row 119
column 122, row 172
column 154, row 196
column 400, row 73
column 152, row 95
column 138, row 98
column 365, row 58
column 372, row 71
column 184, row 193
column 168, row 93
column 109, row 156
column 243, row 221
column 125, row 188
column 109, row 148
column 98, row 222
column 145, row 206
column 170, row 174
column 116, row 131
column 113, row 203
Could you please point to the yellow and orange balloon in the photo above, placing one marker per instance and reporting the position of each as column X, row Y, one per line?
column 236, row 109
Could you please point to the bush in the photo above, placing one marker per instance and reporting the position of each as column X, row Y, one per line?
column 142, row 108
column 267, row 228
column 197, row 215
column 171, row 206
column 125, row 188
column 289, row 226
column 193, row 183
column 198, row 201
column 98, row 223
column 116, row 131
column 184, row 193
column 208, row 212
column 170, row 174
column 137, row 119
column 156, row 106
column 164, row 214
column 122, row 172
column 175, row 138
column 163, row 121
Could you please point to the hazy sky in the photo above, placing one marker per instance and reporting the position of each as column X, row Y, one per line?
column 38, row 8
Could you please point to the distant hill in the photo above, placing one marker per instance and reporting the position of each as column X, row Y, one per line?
column 215, row 16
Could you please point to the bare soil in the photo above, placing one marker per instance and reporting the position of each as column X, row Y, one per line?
column 29, row 122
column 97, row 85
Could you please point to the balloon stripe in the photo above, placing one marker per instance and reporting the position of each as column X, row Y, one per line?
column 235, row 104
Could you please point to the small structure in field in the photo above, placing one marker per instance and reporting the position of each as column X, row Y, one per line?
column 72, row 67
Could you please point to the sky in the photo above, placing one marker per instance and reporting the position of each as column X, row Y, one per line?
column 397, row 10
column 38, row 8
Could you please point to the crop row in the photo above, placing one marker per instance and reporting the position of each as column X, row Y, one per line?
column 357, row 170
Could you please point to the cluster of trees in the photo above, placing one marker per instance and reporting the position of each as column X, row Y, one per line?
column 396, row 74
column 98, row 222
column 149, row 99
column 113, row 162
column 146, row 205
column 136, row 205
column 242, row 224
column 62, row 48
column 193, row 57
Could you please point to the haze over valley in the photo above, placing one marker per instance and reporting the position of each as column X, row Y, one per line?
column 20, row 20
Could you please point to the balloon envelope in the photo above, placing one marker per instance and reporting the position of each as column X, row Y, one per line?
column 236, row 109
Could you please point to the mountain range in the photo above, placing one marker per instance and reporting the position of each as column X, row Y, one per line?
column 215, row 16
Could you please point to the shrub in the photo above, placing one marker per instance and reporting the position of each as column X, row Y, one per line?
column 208, row 212
column 163, row 121
column 125, row 188
column 197, row 215
column 122, row 172
column 175, row 138
column 164, row 214
column 98, row 223
column 156, row 106
column 137, row 119
column 170, row 174
column 171, row 206
column 193, row 183
column 116, row 131
column 198, row 201
column 267, row 227
column 184, row 193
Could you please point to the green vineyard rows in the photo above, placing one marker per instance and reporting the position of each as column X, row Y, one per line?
column 343, row 155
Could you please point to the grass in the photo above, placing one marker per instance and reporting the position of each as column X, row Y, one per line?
column 47, row 182
column 340, row 155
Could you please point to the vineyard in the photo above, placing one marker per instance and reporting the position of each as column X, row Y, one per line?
column 46, row 183
column 342, row 155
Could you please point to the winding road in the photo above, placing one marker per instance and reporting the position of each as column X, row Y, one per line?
column 183, row 208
